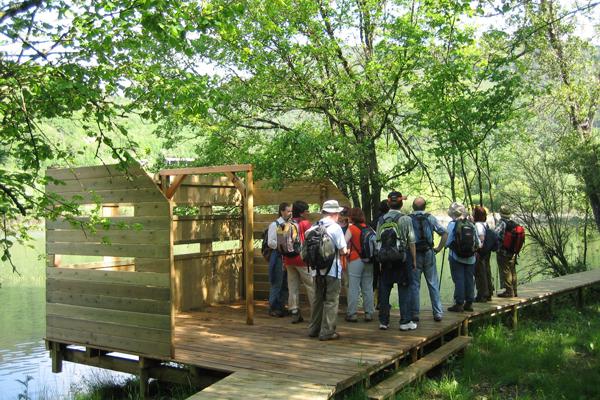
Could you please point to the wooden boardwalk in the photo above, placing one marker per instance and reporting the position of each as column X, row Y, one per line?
column 275, row 359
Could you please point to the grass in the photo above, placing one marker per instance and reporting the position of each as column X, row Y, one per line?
column 110, row 389
column 547, row 357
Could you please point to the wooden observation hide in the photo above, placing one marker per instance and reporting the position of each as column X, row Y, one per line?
column 116, row 283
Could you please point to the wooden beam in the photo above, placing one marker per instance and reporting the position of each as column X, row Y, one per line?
column 174, row 186
column 237, row 182
column 220, row 169
column 248, row 246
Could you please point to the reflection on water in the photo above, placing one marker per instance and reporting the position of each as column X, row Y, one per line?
column 23, row 353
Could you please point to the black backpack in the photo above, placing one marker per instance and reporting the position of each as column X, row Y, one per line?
column 318, row 250
column 465, row 243
column 423, row 232
column 368, row 243
column 265, row 250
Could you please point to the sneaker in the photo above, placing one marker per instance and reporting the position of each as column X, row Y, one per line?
column 333, row 336
column 468, row 306
column 383, row 327
column 456, row 308
column 276, row 313
column 296, row 317
column 437, row 318
column 409, row 326
column 351, row 318
column 368, row 317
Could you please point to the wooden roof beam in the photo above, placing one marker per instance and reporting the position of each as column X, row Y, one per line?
column 237, row 182
column 220, row 169
column 172, row 188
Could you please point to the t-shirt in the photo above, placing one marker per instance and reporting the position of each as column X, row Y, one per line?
column 303, row 226
column 354, row 242
column 272, row 233
column 335, row 231
column 405, row 227
column 481, row 226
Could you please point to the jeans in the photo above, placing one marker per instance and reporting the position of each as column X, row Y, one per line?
column 426, row 266
column 483, row 278
column 386, row 283
column 323, row 318
column 463, row 276
column 295, row 276
column 360, row 280
column 278, row 293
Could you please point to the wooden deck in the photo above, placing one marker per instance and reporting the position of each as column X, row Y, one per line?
column 277, row 360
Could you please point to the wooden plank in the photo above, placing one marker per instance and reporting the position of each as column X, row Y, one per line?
column 389, row 387
column 207, row 181
column 307, row 191
column 190, row 195
column 129, row 345
column 117, row 277
column 116, row 223
column 192, row 230
column 129, row 318
column 206, row 170
column 112, row 236
column 115, row 182
column 158, row 209
column 106, row 328
column 116, row 249
column 208, row 254
column 109, row 302
column 97, row 171
column 130, row 195
column 108, row 289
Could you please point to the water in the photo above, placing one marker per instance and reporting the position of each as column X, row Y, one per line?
column 22, row 328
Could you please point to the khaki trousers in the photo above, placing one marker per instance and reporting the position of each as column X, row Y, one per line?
column 507, row 265
column 323, row 319
column 295, row 276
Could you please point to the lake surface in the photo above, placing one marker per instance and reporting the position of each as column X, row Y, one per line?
column 22, row 328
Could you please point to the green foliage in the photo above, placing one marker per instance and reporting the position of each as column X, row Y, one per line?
column 545, row 358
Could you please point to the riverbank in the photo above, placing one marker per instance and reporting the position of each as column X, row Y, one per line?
column 550, row 356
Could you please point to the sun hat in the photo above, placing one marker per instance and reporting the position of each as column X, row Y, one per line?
column 332, row 207
column 457, row 210
column 505, row 212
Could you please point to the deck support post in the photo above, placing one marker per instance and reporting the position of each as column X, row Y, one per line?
column 514, row 320
column 465, row 328
column 145, row 364
column 580, row 302
column 57, row 356
column 414, row 354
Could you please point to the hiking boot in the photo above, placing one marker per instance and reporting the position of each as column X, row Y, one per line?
column 505, row 294
column 296, row 317
column 481, row 299
column 468, row 306
column 456, row 308
column 351, row 318
column 368, row 317
column 383, row 327
column 415, row 318
column 437, row 318
column 333, row 336
column 409, row 326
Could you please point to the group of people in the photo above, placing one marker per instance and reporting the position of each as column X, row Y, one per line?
column 404, row 251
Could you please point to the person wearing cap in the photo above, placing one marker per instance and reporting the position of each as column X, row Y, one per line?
column 324, row 309
column 278, row 292
column 383, row 209
column 462, row 269
column 424, row 225
column 507, row 262
column 398, row 274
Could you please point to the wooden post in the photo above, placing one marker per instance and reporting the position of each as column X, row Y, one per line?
column 465, row 327
column 248, row 246
column 414, row 354
column 580, row 298
column 514, row 317
column 57, row 357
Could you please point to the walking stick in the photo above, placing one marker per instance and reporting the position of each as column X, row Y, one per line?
column 442, row 270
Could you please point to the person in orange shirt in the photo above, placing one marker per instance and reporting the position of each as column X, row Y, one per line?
column 360, row 273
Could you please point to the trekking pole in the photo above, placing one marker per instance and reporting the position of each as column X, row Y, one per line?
column 442, row 270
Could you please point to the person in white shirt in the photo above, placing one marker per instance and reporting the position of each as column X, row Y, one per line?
column 328, row 283
column 278, row 293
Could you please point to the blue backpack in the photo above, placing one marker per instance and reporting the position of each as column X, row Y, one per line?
column 423, row 232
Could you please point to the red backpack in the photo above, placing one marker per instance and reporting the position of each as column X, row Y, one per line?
column 514, row 237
